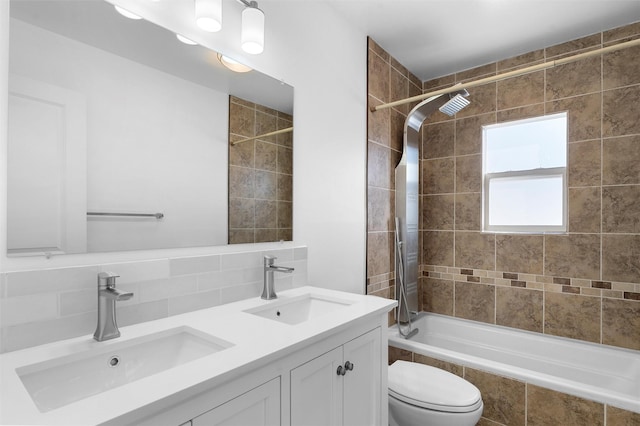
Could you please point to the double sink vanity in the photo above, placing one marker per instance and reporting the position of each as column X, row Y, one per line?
column 311, row 356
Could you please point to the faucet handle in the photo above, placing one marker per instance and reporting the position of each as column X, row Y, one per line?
column 107, row 279
column 269, row 260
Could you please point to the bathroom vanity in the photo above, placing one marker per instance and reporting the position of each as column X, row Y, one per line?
column 312, row 356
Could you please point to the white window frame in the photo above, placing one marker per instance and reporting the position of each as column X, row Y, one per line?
column 519, row 175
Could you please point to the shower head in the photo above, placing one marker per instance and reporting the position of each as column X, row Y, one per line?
column 455, row 104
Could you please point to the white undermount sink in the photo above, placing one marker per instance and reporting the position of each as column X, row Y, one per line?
column 299, row 309
column 61, row 381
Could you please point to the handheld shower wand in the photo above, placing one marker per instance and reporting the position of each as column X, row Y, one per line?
column 402, row 299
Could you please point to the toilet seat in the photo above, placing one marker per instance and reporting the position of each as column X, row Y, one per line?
column 432, row 388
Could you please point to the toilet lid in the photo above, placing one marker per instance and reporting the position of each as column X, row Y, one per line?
column 432, row 388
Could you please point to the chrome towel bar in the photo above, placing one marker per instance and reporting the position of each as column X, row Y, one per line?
column 156, row 215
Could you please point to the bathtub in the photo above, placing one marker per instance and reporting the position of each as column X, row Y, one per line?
column 597, row 372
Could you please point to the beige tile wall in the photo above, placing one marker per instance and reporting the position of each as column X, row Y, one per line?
column 260, row 174
column 584, row 284
column 388, row 80
column 513, row 402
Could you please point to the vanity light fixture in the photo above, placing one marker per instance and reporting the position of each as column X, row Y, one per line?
column 185, row 40
column 209, row 15
column 232, row 64
column 252, row 38
column 209, row 18
column 126, row 13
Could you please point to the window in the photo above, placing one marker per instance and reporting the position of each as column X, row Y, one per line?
column 524, row 175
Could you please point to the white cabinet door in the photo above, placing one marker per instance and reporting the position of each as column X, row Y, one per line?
column 257, row 407
column 362, row 383
column 316, row 391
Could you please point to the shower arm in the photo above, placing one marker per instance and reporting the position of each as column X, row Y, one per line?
column 515, row 73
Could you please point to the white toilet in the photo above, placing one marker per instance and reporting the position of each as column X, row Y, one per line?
column 424, row 395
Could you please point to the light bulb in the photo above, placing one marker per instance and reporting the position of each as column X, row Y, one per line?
column 209, row 15
column 185, row 40
column 252, row 38
column 126, row 13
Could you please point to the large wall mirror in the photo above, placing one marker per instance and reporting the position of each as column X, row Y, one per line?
column 120, row 137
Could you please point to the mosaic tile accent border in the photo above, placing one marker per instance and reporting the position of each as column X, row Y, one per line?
column 585, row 287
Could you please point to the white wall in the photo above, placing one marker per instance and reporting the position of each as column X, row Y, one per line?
column 310, row 47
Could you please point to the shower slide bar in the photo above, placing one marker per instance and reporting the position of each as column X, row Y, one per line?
column 156, row 215
column 276, row 132
column 509, row 74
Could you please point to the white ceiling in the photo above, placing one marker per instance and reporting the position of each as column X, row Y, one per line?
column 433, row 38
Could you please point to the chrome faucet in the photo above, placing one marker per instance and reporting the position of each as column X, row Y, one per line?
column 269, row 292
column 108, row 295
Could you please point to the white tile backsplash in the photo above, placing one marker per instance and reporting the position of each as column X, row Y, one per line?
column 31, row 308
column 194, row 265
column 45, row 305
column 51, row 280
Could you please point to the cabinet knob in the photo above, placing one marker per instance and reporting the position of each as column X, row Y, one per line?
column 348, row 366
column 341, row 371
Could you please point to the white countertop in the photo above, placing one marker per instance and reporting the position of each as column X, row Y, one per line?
column 257, row 341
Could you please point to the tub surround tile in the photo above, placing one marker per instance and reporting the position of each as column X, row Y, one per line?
column 621, row 258
column 437, row 212
column 621, row 323
column 519, row 308
column 617, row 118
column 621, row 209
column 617, row 34
column 620, row 417
column 396, row 130
column 584, row 163
column 437, row 247
column 573, row 316
column 475, row 250
column 547, row 407
column 378, row 123
column 584, row 209
column 621, row 161
column 618, row 70
column 379, row 208
column 378, row 82
column 483, row 100
column 378, row 166
column 523, row 253
column 469, row 133
column 469, row 173
column 572, row 255
column 437, row 296
column 475, row 302
column 575, row 78
column 585, row 114
column 571, row 47
column 468, row 211
column 438, row 176
column 438, row 140
column 522, row 90
column 519, row 113
column 378, row 254
column 504, row 399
